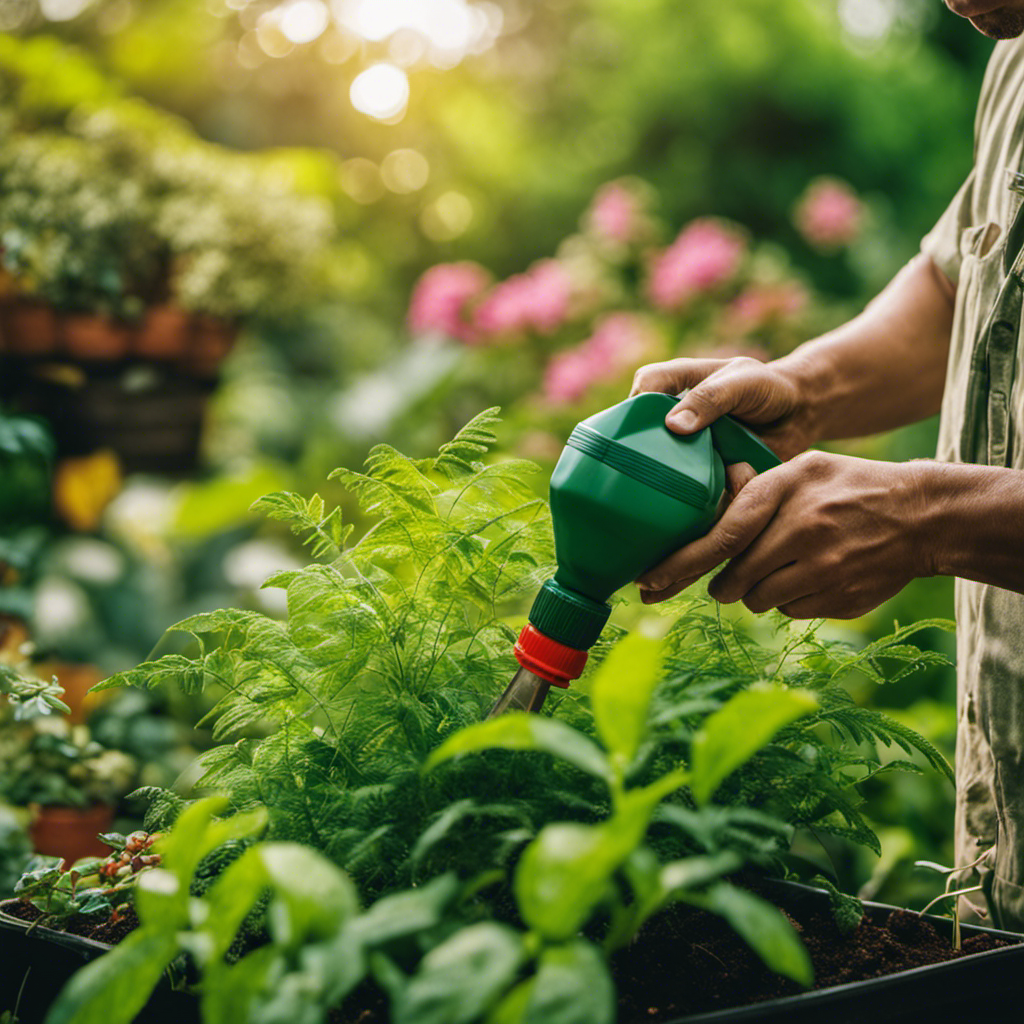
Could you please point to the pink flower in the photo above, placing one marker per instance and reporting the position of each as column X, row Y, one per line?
column 535, row 300
column 759, row 305
column 829, row 214
column 569, row 375
column 706, row 253
column 439, row 300
column 616, row 213
column 621, row 341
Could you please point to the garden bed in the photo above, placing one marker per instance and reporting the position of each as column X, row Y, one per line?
column 688, row 967
column 36, row 963
column 896, row 963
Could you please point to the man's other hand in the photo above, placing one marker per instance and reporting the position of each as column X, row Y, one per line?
column 762, row 395
column 821, row 535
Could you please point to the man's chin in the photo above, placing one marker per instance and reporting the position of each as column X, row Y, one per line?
column 1000, row 24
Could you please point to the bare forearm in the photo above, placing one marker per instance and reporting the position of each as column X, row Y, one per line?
column 886, row 367
column 973, row 522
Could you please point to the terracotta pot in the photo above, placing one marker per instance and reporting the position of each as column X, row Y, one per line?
column 212, row 341
column 70, row 832
column 163, row 333
column 91, row 336
column 28, row 328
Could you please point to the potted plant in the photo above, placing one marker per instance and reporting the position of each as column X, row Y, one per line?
column 69, row 782
column 130, row 253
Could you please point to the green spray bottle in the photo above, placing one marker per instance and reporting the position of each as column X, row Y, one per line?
column 626, row 492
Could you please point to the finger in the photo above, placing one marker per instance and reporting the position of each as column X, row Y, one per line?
column 741, row 523
column 737, row 476
column 809, row 607
column 773, row 549
column 785, row 586
column 655, row 596
column 741, row 387
column 673, row 375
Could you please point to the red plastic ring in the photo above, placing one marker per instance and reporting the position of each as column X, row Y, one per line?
column 548, row 658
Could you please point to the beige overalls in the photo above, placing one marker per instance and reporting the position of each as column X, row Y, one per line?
column 979, row 243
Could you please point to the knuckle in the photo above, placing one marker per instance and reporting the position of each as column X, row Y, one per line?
column 708, row 396
column 650, row 377
column 726, row 541
column 812, row 462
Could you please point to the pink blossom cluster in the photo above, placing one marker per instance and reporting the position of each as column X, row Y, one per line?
column 829, row 214
column 760, row 305
column 621, row 341
column 538, row 300
column 457, row 301
column 706, row 254
column 616, row 214
column 440, row 300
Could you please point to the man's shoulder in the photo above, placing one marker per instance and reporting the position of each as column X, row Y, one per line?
column 1005, row 69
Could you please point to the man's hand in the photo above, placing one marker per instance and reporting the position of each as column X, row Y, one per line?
column 822, row 535
column 763, row 395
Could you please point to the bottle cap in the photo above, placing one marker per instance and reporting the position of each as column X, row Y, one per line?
column 568, row 617
column 548, row 658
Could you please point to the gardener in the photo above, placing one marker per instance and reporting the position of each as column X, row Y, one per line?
column 829, row 535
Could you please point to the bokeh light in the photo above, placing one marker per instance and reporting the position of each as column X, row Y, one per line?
column 302, row 21
column 381, row 92
column 451, row 28
column 405, row 170
column 447, row 217
column 62, row 10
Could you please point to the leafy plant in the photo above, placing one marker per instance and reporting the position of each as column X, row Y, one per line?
column 566, row 873
column 48, row 761
column 459, row 968
column 94, row 886
column 395, row 642
column 114, row 206
column 390, row 645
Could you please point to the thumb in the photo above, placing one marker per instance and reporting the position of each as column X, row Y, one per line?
column 703, row 404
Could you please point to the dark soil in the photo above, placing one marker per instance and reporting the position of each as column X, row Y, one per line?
column 85, row 925
column 691, row 962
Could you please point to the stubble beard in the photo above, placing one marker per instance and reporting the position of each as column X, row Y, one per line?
column 1000, row 24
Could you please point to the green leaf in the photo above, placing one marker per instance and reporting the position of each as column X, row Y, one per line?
column 520, row 730
column 696, row 872
column 114, row 988
column 312, row 897
column 572, row 986
column 405, row 913
column 512, row 1009
column 196, row 832
column 159, row 900
column 732, row 736
column 621, row 694
column 229, row 992
column 460, row 979
column 763, row 928
column 564, row 873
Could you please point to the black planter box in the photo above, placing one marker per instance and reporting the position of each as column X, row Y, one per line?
column 38, row 963
column 983, row 986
